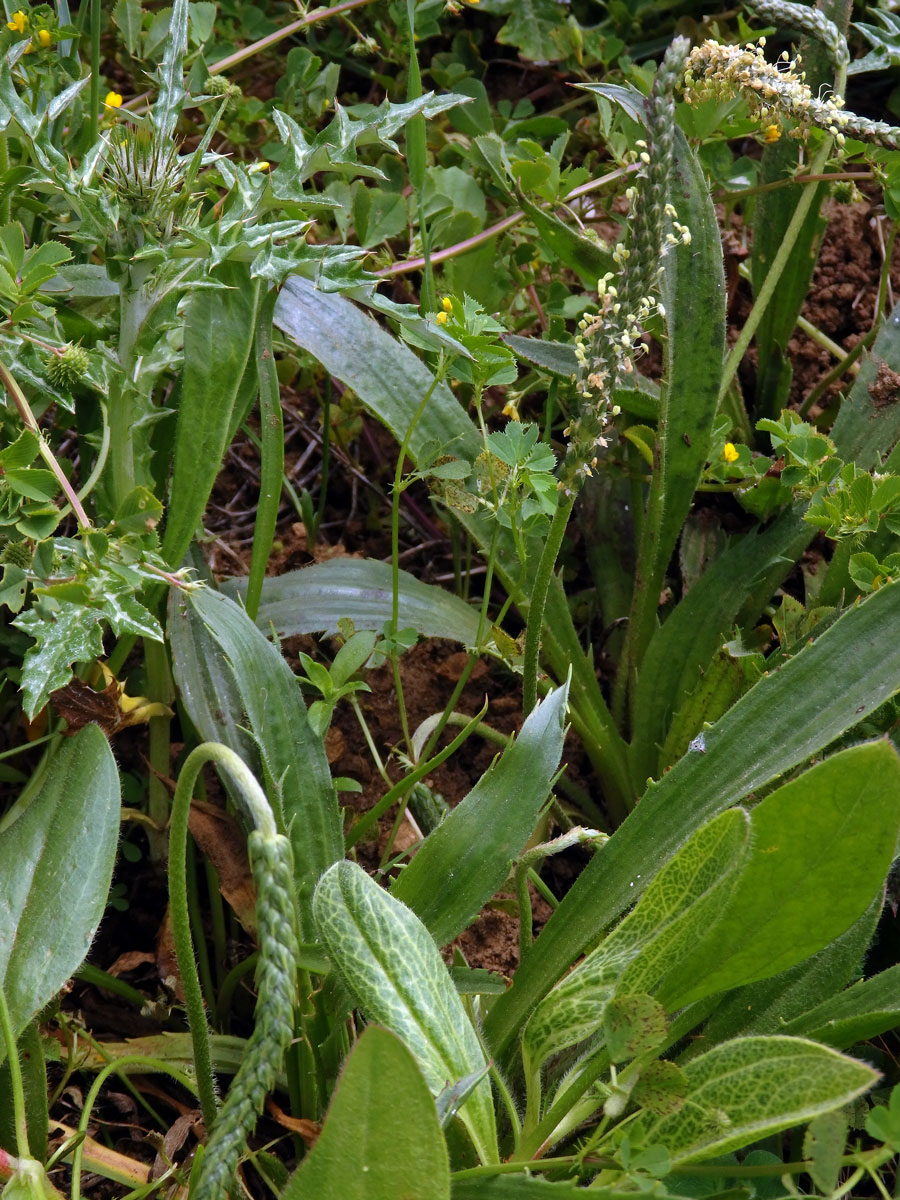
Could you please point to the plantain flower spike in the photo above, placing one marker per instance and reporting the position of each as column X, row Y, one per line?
column 608, row 342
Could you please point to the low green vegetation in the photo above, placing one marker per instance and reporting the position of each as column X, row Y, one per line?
column 689, row 572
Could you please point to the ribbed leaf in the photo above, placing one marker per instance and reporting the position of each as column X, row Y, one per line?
column 293, row 758
column 219, row 326
column 392, row 968
column 838, row 820
column 741, row 581
column 693, row 288
column 388, row 378
column 370, row 1149
column 55, row 872
column 863, row 1011
column 467, row 858
column 680, row 904
column 206, row 684
column 315, row 598
column 826, row 688
column 751, row 1087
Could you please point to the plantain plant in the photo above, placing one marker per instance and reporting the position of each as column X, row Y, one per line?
column 696, row 997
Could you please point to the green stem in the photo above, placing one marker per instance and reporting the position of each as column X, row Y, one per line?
column 539, row 599
column 366, row 821
column 30, row 423
column 152, row 1064
column 395, row 545
column 841, row 8
column 94, row 99
column 15, row 1078
column 272, row 461
column 159, row 688
column 261, row 816
column 326, row 459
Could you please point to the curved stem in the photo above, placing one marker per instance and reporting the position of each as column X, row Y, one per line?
column 152, row 1064
column 262, row 818
column 785, row 250
column 538, row 600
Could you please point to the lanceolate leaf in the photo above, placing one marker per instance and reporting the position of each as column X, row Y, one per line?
column 315, row 598
column 851, row 669
column 741, row 580
column 769, row 1005
column 863, row 1011
column 838, row 820
column 55, row 872
column 393, row 969
column 677, row 908
column 387, row 377
column 468, row 857
column 293, row 758
column 218, row 337
column 750, row 1087
column 368, row 1148
column 693, row 288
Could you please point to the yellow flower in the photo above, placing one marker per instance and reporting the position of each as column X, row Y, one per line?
column 113, row 100
column 257, row 167
column 510, row 410
column 441, row 318
column 730, row 453
column 772, row 133
column 18, row 22
column 447, row 304
column 45, row 37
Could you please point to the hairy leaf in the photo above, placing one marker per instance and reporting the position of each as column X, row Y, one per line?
column 391, row 966
column 55, row 872
column 748, row 1088
column 368, row 1148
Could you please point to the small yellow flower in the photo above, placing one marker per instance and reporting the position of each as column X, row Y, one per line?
column 113, row 100
column 18, row 22
column 447, row 304
column 441, row 318
column 730, row 453
column 258, row 167
column 45, row 37
column 510, row 410
column 29, row 49
column 772, row 133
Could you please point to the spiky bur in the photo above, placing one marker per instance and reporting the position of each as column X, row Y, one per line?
column 811, row 21
column 68, row 367
column 276, row 974
column 608, row 342
column 774, row 90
